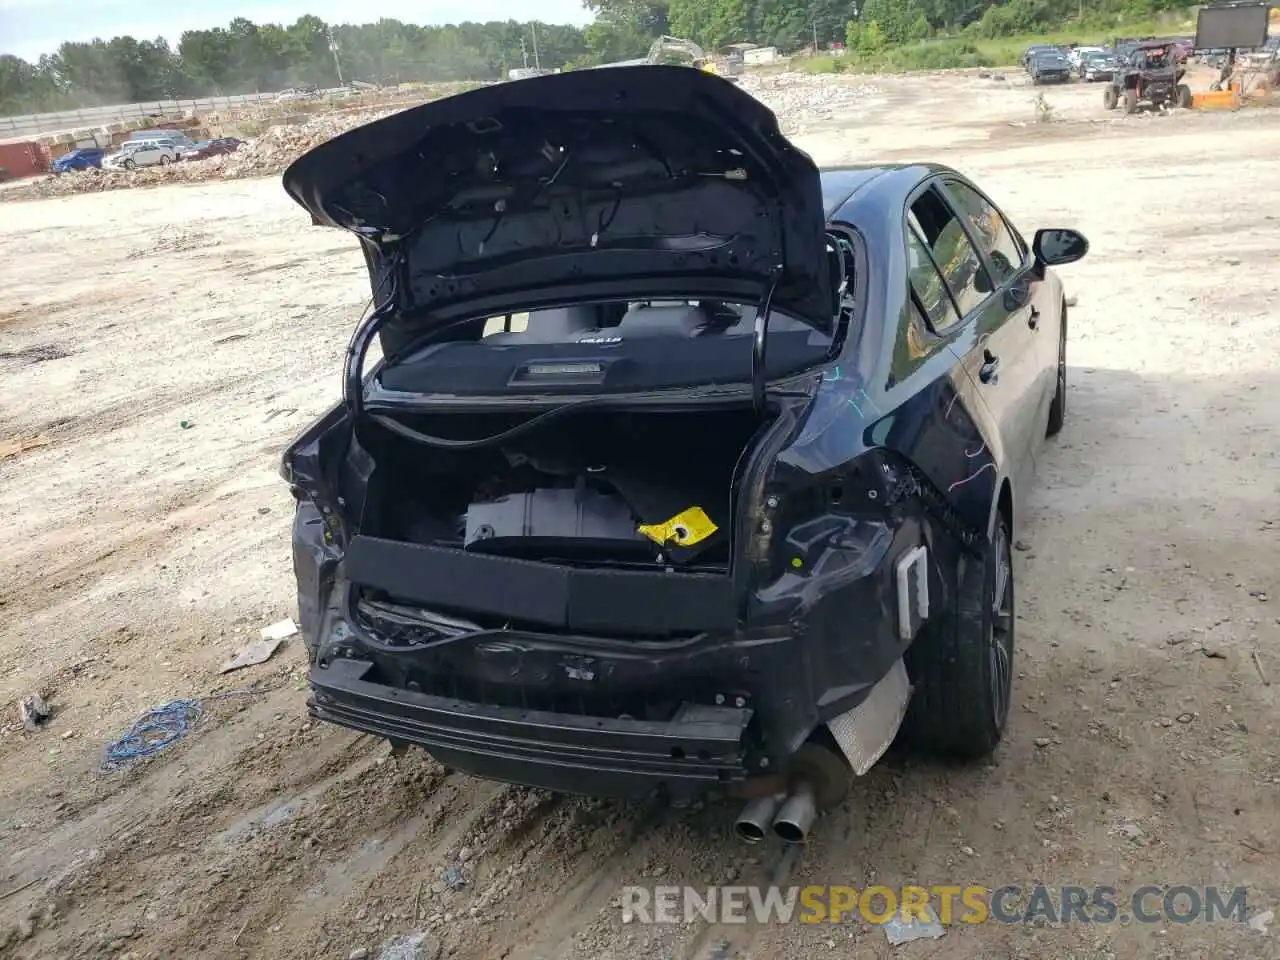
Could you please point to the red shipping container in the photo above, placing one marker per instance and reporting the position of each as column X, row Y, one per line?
column 23, row 159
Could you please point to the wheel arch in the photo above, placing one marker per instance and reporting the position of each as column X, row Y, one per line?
column 1004, row 505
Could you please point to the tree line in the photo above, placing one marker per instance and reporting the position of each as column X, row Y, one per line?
column 244, row 57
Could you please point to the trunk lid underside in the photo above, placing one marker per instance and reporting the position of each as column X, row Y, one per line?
column 636, row 180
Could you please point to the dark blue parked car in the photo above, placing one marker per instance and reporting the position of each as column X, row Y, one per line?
column 731, row 507
column 81, row 159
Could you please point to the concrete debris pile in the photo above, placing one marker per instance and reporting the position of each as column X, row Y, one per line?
column 800, row 99
column 280, row 146
column 268, row 154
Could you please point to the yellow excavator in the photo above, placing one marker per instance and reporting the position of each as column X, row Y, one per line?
column 677, row 50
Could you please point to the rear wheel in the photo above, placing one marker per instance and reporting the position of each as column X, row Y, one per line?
column 1184, row 96
column 1109, row 99
column 129, row 165
column 165, row 161
column 1058, row 406
column 962, row 663
column 1131, row 101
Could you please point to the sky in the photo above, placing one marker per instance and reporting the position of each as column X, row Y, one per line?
column 29, row 28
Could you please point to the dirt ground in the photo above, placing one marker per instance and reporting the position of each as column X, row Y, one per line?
column 160, row 347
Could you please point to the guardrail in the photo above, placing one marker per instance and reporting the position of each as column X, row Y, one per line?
column 39, row 123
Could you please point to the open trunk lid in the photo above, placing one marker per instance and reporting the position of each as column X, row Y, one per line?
column 631, row 182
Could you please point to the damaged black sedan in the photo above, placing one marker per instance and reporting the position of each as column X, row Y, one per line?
column 686, row 467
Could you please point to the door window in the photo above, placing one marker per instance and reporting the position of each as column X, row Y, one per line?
column 945, row 236
column 927, row 284
column 991, row 230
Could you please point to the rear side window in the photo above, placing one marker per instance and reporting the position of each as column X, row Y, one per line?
column 927, row 284
column 993, row 233
column 945, row 236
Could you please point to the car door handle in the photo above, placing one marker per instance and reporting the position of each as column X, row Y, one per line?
column 989, row 371
column 1033, row 320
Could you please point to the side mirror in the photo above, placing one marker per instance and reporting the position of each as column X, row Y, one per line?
column 1053, row 248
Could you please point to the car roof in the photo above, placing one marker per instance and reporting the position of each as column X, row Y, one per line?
column 874, row 187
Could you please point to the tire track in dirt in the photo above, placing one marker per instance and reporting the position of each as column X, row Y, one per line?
column 251, row 862
column 552, row 931
column 736, row 941
column 378, row 887
column 126, row 411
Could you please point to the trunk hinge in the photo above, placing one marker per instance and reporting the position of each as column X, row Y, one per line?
column 388, row 286
column 758, row 374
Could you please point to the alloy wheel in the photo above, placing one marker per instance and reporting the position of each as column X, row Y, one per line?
column 1062, row 365
column 1001, row 637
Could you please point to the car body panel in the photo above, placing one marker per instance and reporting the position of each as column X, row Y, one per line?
column 1101, row 66
column 80, row 159
column 211, row 148
column 1037, row 50
column 1049, row 67
column 1077, row 54
column 639, row 177
column 899, row 435
column 144, row 153
column 180, row 137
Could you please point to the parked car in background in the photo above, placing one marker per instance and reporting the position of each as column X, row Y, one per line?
column 1038, row 50
column 1076, row 55
column 1099, row 66
column 79, row 159
column 297, row 93
column 211, row 148
column 180, row 137
column 143, row 153
column 1049, row 67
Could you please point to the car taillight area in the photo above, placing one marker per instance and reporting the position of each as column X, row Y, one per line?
column 837, row 523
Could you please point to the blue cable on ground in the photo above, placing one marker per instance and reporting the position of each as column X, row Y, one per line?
column 161, row 727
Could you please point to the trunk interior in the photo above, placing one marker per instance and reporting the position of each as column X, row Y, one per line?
column 573, row 491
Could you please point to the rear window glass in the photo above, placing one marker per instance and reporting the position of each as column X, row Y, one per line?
column 652, row 319
column 604, row 347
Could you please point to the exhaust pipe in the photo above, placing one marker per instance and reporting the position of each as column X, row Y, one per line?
column 796, row 817
column 753, row 822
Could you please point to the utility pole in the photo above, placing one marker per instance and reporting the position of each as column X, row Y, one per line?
column 815, row 37
column 524, row 54
column 333, row 48
column 536, row 62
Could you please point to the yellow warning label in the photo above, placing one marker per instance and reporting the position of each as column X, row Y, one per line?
column 684, row 529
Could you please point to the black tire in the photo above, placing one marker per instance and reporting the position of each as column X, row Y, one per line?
column 961, row 665
column 1109, row 98
column 1058, row 406
column 165, row 161
column 1131, row 101
column 1184, row 96
column 129, row 165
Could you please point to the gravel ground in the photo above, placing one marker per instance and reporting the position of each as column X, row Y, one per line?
column 159, row 347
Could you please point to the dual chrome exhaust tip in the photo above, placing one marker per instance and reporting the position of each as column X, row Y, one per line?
column 790, row 816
